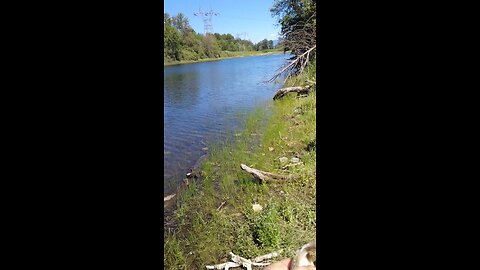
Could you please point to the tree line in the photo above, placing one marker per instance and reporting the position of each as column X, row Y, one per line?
column 181, row 42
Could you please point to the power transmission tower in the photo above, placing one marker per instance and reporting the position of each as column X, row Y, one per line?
column 207, row 19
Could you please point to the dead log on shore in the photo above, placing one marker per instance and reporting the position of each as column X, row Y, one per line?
column 265, row 176
column 305, row 90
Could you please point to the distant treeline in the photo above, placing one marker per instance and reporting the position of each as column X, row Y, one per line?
column 180, row 42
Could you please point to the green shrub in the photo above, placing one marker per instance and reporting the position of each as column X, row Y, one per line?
column 265, row 227
column 189, row 55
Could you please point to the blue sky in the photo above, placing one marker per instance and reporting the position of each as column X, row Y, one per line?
column 252, row 17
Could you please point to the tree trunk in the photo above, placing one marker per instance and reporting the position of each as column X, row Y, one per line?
column 297, row 89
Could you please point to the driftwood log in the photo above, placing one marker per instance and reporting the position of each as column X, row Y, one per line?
column 264, row 176
column 240, row 261
column 305, row 90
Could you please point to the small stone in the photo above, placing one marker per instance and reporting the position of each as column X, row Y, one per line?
column 295, row 160
column 283, row 160
column 270, row 149
column 257, row 207
column 205, row 149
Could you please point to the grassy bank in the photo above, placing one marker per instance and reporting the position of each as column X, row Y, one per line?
column 224, row 55
column 199, row 233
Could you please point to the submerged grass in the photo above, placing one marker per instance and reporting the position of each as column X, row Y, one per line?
column 204, row 235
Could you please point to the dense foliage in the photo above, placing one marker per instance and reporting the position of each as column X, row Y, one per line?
column 182, row 43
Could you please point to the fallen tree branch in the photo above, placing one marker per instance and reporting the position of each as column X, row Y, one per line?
column 169, row 197
column 296, row 65
column 297, row 89
column 226, row 265
column 240, row 261
column 267, row 256
column 264, row 176
column 221, row 205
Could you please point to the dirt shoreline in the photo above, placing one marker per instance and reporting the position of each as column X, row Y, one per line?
column 217, row 59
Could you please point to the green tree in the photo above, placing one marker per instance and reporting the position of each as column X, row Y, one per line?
column 171, row 39
column 264, row 45
column 211, row 46
column 270, row 44
column 181, row 23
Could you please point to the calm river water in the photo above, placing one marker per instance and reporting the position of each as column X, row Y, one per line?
column 205, row 101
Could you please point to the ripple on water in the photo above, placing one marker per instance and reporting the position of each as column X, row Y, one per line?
column 204, row 102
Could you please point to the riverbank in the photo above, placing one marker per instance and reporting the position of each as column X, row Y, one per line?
column 215, row 215
column 225, row 55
